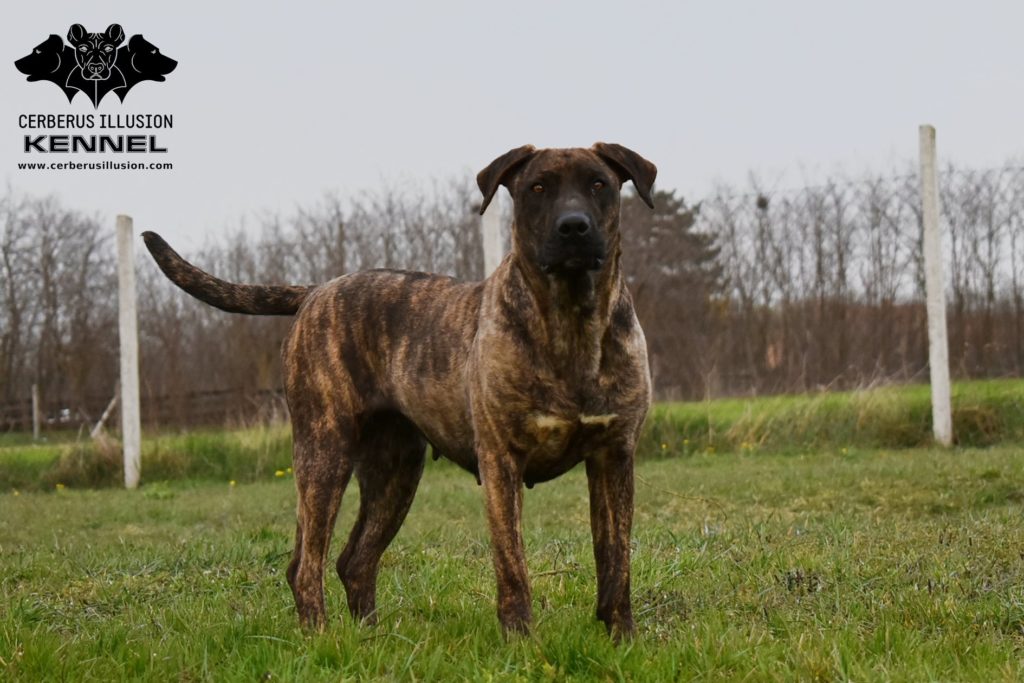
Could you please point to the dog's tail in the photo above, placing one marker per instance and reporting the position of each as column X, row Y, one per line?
column 227, row 296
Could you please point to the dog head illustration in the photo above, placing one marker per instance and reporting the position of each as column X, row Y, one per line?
column 47, row 60
column 142, row 61
column 95, row 53
column 50, row 60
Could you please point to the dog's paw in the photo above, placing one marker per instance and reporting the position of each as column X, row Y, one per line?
column 515, row 624
column 619, row 626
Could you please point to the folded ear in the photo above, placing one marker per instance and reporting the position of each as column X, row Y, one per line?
column 115, row 33
column 629, row 166
column 76, row 33
column 500, row 172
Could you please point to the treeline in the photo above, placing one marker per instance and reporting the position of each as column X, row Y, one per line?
column 748, row 292
column 825, row 285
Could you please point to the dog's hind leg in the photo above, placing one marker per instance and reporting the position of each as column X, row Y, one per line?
column 293, row 566
column 391, row 457
column 323, row 464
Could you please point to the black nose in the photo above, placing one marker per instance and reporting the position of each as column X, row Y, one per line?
column 573, row 224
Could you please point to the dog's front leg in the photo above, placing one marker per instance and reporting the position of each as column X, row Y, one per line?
column 502, row 479
column 610, row 480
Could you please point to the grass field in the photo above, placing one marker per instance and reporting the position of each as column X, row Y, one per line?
column 856, row 565
column 985, row 413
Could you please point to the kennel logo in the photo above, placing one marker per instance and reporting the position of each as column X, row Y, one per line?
column 96, row 64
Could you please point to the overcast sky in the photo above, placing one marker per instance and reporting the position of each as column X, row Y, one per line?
column 274, row 104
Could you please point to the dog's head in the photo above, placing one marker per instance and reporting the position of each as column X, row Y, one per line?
column 567, row 201
column 45, row 60
column 95, row 52
column 144, row 59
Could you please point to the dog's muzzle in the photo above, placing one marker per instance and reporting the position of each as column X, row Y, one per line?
column 96, row 70
column 574, row 245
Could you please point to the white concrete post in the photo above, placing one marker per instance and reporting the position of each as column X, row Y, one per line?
column 490, row 230
column 935, row 290
column 131, row 427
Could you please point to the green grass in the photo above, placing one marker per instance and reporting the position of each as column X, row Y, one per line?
column 985, row 413
column 869, row 565
column 243, row 455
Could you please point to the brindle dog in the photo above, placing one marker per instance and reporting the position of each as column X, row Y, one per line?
column 517, row 379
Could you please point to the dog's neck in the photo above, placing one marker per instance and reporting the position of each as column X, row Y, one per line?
column 574, row 310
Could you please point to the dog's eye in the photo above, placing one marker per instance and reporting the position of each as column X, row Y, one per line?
column 152, row 52
column 597, row 185
column 38, row 52
column 108, row 48
column 82, row 48
column 537, row 187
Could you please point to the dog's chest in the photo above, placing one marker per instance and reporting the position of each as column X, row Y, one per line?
column 555, row 443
